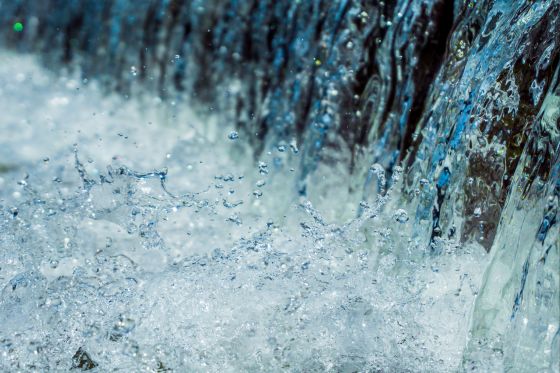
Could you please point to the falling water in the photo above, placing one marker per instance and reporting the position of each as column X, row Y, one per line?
column 260, row 185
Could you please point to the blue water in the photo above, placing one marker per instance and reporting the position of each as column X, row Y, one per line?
column 280, row 185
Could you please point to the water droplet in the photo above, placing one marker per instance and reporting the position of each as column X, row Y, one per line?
column 123, row 326
column 477, row 212
column 263, row 168
column 400, row 216
column 235, row 219
column 397, row 173
column 294, row 147
column 233, row 135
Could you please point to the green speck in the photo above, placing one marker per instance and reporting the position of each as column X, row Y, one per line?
column 18, row 27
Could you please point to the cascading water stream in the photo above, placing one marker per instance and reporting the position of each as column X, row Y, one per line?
column 280, row 185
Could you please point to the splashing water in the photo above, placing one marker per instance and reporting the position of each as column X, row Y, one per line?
column 303, row 186
column 148, row 270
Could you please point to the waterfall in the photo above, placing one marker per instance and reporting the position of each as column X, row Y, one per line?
column 363, row 153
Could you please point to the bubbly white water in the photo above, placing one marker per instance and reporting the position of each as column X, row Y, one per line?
column 136, row 236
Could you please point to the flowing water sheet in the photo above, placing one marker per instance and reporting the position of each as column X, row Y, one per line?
column 267, row 186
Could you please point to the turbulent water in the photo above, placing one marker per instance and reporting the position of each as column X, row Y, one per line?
column 264, row 185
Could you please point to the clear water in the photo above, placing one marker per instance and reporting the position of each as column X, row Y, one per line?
column 300, row 186
column 192, row 271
